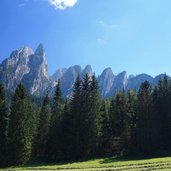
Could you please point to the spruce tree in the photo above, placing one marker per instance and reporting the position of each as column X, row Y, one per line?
column 76, row 120
column 4, row 118
column 54, row 138
column 144, row 127
column 105, row 131
column 66, row 129
column 43, row 131
column 163, row 113
column 84, row 119
column 21, row 128
column 94, row 116
column 118, row 117
column 131, row 123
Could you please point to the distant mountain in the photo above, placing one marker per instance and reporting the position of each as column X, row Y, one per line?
column 30, row 68
column 135, row 82
column 106, row 80
column 26, row 67
column 58, row 74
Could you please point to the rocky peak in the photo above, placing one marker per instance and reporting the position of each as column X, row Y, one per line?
column 27, row 67
column 121, row 80
column 135, row 82
column 158, row 78
column 40, row 51
column 15, row 67
column 107, row 72
column 106, row 80
column 87, row 70
column 38, row 75
column 26, row 51
column 58, row 74
column 20, row 55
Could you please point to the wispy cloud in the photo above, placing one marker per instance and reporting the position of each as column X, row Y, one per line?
column 108, row 26
column 62, row 4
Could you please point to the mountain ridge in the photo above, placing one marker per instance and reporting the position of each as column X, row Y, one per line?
column 30, row 68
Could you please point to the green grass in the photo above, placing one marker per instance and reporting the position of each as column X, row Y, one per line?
column 106, row 164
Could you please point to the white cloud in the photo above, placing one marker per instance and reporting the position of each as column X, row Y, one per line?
column 108, row 26
column 62, row 4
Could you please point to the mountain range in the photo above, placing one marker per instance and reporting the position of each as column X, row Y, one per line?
column 30, row 68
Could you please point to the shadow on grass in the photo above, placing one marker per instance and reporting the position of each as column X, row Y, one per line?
column 102, row 161
column 128, row 158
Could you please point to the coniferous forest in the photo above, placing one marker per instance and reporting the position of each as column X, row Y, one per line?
column 84, row 125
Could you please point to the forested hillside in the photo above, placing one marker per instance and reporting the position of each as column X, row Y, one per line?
column 85, row 126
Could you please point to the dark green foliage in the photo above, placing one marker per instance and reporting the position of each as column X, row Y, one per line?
column 118, row 120
column 4, row 118
column 144, row 119
column 130, row 123
column 93, row 117
column 66, row 129
column 162, row 112
column 85, row 111
column 43, row 131
column 54, row 139
column 22, row 128
column 76, row 120
column 105, row 143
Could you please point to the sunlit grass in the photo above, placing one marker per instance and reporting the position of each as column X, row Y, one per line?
column 106, row 164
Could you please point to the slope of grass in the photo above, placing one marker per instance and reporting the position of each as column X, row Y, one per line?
column 106, row 164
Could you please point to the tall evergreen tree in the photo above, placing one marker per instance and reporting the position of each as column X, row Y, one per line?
column 21, row 128
column 161, row 102
column 94, row 116
column 105, row 131
column 144, row 127
column 131, row 123
column 76, row 120
column 43, row 130
column 54, row 140
column 66, row 129
column 4, row 118
column 118, row 118
column 85, row 111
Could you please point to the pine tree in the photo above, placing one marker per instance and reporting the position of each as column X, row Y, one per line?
column 85, row 110
column 94, row 116
column 76, row 120
column 105, row 131
column 144, row 134
column 131, row 123
column 21, row 128
column 66, row 129
column 162, row 111
column 54, row 140
column 84, row 118
column 156, row 120
column 118, row 117
column 4, row 118
column 43, row 131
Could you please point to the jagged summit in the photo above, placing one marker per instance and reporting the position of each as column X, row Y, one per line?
column 40, row 50
column 87, row 70
column 29, row 67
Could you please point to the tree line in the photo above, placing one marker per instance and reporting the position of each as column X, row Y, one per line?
column 85, row 125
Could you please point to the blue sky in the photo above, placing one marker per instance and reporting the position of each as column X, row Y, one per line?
column 131, row 35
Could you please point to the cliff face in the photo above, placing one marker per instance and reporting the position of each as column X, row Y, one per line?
column 26, row 67
column 30, row 68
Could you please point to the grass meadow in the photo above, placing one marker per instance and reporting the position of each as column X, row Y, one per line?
column 105, row 164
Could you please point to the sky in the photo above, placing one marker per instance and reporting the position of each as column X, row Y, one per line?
column 130, row 35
